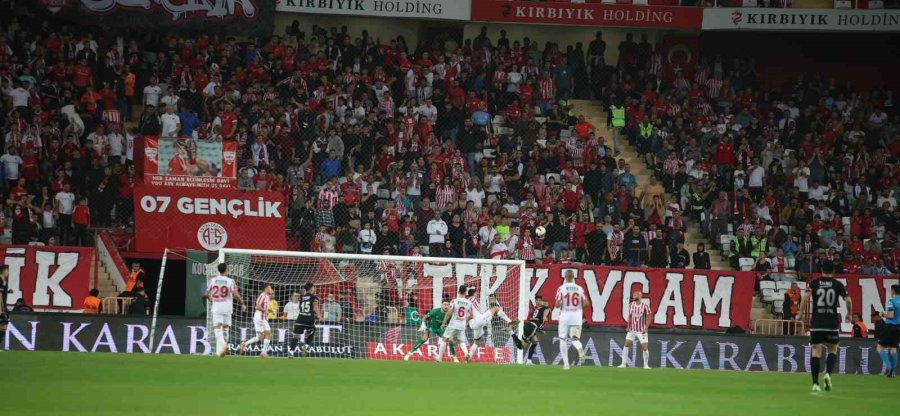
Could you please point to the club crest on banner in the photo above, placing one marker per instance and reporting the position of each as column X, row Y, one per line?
column 212, row 236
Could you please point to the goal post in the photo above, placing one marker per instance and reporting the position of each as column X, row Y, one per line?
column 372, row 306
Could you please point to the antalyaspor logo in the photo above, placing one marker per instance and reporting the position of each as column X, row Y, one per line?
column 212, row 236
column 229, row 157
column 737, row 17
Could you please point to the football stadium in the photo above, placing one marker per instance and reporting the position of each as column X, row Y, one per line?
column 373, row 207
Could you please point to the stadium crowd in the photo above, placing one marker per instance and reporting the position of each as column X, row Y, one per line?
column 457, row 150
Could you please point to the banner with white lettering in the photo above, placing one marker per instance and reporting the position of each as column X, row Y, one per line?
column 868, row 294
column 590, row 14
column 801, row 19
column 48, row 278
column 231, row 17
column 707, row 299
column 190, row 163
column 191, row 218
column 416, row 9
column 603, row 347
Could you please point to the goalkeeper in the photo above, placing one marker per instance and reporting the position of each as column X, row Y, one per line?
column 431, row 327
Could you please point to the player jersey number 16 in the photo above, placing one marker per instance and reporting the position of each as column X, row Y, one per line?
column 572, row 299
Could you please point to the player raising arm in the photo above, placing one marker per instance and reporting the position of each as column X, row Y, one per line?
column 571, row 299
column 481, row 319
column 455, row 320
column 431, row 327
column 532, row 329
column 638, row 322
column 305, row 325
column 222, row 291
column 261, row 322
column 825, row 323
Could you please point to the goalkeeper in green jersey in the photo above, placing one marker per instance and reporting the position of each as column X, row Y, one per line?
column 431, row 327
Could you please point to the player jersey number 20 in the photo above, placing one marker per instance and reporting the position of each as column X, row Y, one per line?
column 825, row 297
column 219, row 293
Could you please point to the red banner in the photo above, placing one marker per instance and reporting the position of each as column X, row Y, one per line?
column 869, row 295
column 48, row 278
column 592, row 14
column 707, row 299
column 427, row 352
column 188, row 218
column 190, row 163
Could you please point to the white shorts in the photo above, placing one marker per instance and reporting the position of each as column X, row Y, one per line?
column 221, row 318
column 261, row 325
column 479, row 324
column 638, row 337
column 454, row 334
column 569, row 327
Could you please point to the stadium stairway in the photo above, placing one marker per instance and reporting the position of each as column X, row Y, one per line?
column 104, row 281
column 595, row 114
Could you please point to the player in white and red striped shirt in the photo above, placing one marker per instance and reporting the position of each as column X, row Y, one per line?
column 570, row 299
column 261, row 321
column 481, row 318
column 638, row 322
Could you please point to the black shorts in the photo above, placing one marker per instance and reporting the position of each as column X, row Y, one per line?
column 890, row 336
column 819, row 337
column 305, row 328
column 529, row 330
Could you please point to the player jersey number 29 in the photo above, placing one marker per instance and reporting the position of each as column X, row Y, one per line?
column 219, row 293
column 825, row 297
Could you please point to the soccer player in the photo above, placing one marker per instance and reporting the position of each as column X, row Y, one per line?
column 532, row 329
column 571, row 299
column 222, row 291
column 825, row 322
column 305, row 325
column 890, row 334
column 482, row 319
column 431, row 327
column 455, row 321
column 261, row 322
column 638, row 322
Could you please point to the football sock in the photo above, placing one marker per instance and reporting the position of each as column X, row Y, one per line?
column 503, row 316
column 293, row 344
column 415, row 347
column 815, row 363
column 646, row 358
column 453, row 350
column 442, row 347
column 885, row 358
column 472, row 350
column 531, row 350
column 265, row 345
column 251, row 341
column 892, row 360
column 220, row 339
column 564, row 346
column 625, row 355
column 577, row 345
column 829, row 362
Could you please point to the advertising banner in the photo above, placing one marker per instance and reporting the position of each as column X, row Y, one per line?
column 707, row 299
column 416, row 9
column 801, row 19
column 592, row 14
column 48, row 278
column 231, row 17
column 190, row 163
column 191, row 218
column 125, row 334
column 869, row 295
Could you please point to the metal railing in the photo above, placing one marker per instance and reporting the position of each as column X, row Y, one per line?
column 115, row 305
column 778, row 327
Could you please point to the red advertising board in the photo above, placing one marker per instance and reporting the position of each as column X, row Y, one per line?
column 592, row 14
column 428, row 352
column 191, row 218
column 48, row 278
column 869, row 294
column 707, row 299
column 185, row 162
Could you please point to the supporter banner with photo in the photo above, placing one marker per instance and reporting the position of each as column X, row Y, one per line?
column 225, row 17
column 190, row 163
column 707, row 299
column 416, row 9
column 801, row 19
column 603, row 347
column 593, row 14
column 191, row 218
column 48, row 278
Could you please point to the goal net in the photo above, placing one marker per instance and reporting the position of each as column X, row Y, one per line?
column 371, row 306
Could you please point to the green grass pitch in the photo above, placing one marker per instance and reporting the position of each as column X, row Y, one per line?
column 48, row 383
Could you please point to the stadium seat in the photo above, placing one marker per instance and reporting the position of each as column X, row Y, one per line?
column 777, row 306
column 746, row 263
column 843, row 4
column 765, row 284
column 725, row 242
column 768, row 295
column 802, row 285
column 782, row 285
